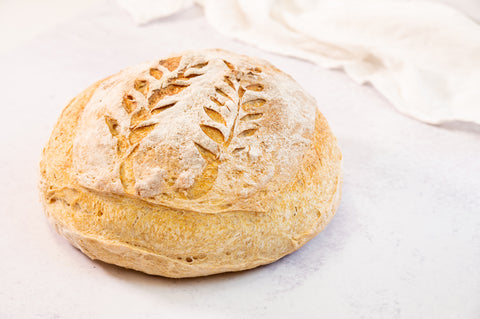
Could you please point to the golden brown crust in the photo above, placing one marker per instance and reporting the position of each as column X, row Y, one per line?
column 210, row 131
column 160, row 240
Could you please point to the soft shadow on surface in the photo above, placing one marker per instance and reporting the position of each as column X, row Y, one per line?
column 143, row 278
column 467, row 127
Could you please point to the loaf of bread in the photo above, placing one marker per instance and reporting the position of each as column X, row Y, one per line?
column 203, row 162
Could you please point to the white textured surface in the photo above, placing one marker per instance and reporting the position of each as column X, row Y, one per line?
column 405, row 242
column 21, row 20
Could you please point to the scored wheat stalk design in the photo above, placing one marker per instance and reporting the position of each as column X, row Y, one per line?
column 205, row 181
column 140, row 118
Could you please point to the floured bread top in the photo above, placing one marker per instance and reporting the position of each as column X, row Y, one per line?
column 205, row 130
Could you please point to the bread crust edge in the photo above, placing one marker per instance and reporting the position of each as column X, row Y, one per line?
column 56, row 174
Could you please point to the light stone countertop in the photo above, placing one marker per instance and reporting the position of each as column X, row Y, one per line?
column 405, row 242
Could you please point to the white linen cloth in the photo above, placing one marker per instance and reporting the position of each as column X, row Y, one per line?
column 424, row 57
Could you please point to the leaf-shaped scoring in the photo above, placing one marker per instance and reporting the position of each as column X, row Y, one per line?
column 161, row 108
column 253, row 104
column 129, row 103
column 112, row 125
column 214, row 133
column 220, row 91
column 137, row 134
column 140, row 123
column 222, row 100
column 247, row 132
column 251, row 117
column 141, row 86
column 255, row 87
column 250, row 107
column 156, row 73
column 214, row 115
column 204, row 183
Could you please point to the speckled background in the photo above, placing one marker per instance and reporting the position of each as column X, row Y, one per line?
column 405, row 242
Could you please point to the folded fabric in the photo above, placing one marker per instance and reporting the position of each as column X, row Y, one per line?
column 424, row 57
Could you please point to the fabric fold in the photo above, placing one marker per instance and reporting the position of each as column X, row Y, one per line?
column 424, row 57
